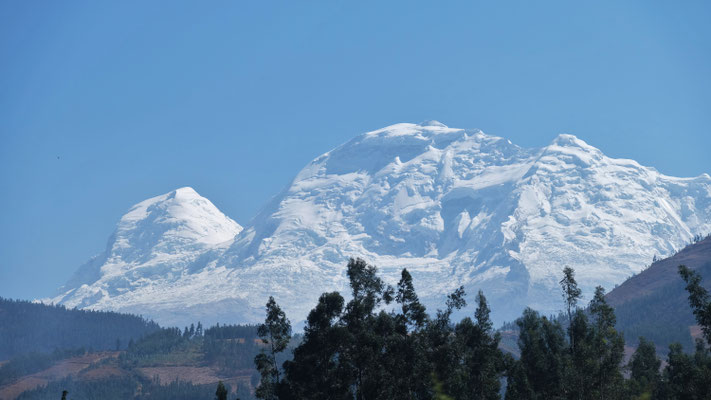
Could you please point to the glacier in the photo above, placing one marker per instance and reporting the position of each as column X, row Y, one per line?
column 455, row 207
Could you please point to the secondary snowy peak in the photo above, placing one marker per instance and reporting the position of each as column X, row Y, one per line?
column 158, row 241
column 181, row 216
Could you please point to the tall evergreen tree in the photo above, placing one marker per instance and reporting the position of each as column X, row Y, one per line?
column 680, row 375
column 644, row 371
column 440, row 341
column 579, row 379
column 517, row 387
column 686, row 376
column 363, row 345
column 413, row 311
column 571, row 295
column 316, row 371
column 275, row 333
column 221, row 393
column 699, row 299
column 608, row 347
column 404, row 357
column 542, row 362
column 482, row 363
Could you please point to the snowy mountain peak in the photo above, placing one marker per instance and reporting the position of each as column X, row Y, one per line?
column 433, row 123
column 567, row 151
column 158, row 241
column 181, row 214
column 453, row 206
column 568, row 140
column 460, row 207
column 416, row 131
column 185, row 192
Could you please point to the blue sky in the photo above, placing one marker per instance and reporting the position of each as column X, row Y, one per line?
column 104, row 104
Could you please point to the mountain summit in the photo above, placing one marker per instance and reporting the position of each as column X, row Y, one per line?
column 157, row 243
column 455, row 207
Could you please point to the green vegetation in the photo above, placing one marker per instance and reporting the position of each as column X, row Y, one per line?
column 654, row 303
column 670, row 323
column 645, row 378
column 32, row 362
column 165, row 346
column 230, row 347
column 383, row 344
column 132, row 387
column 221, row 392
column 275, row 333
column 699, row 299
column 33, row 327
column 358, row 350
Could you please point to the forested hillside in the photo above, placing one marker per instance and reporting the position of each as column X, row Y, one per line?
column 47, row 349
column 33, row 327
column 654, row 303
column 168, row 363
column 133, row 387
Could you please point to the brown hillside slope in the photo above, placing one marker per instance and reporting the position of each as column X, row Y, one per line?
column 654, row 303
column 62, row 369
column 662, row 273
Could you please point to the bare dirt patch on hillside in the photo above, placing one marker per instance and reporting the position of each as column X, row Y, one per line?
column 198, row 375
column 103, row 372
column 62, row 369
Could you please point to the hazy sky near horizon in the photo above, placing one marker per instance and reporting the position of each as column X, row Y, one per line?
column 106, row 103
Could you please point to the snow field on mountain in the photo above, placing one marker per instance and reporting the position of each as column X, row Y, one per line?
column 455, row 207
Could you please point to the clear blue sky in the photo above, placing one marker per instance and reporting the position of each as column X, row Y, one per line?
column 137, row 98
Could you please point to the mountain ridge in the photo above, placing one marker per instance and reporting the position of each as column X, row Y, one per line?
column 456, row 207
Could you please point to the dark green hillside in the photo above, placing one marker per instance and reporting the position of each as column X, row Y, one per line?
column 131, row 387
column 654, row 303
column 46, row 349
column 27, row 327
column 168, row 363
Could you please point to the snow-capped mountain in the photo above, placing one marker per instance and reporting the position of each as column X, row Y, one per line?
column 455, row 207
column 157, row 244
